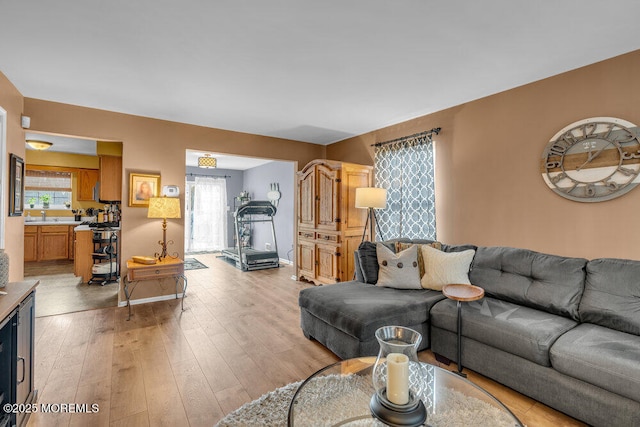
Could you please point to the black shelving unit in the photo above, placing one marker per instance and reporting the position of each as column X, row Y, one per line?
column 106, row 256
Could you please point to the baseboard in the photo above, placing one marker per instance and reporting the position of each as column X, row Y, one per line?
column 151, row 299
column 286, row 261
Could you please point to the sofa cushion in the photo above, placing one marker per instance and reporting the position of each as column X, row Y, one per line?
column 443, row 268
column 545, row 282
column 600, row 356
column 523, row 331
column 612, row 294
column 359, row 309
column 398, row 270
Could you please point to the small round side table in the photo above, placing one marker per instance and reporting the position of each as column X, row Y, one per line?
column 461, row 293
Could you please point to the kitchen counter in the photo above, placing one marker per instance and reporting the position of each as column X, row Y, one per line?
column 52, row 222
column 16, row 292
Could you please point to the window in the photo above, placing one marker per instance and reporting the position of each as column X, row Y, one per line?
column 38, row 184
column 406, row 169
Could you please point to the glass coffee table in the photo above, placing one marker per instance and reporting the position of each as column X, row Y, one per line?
column 339, row 395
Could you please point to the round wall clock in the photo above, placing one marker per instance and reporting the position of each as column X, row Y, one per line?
column 593, row 160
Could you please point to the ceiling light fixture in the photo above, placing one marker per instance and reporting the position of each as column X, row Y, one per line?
column 39, row 145
column 207, row 162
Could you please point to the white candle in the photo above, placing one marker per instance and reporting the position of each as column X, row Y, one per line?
column 398, row 378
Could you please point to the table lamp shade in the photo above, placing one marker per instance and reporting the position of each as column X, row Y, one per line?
column 164, row 207
column 371, row 197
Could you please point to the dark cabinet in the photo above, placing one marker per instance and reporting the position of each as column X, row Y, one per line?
column 16, row 361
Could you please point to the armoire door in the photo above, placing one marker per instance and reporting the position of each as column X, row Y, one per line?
column 328, row 199
column 307, row 199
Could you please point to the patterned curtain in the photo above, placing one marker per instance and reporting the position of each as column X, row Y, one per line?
column 406, row 169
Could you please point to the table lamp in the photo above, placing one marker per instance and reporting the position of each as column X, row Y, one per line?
column 371, row 198
column 164, row 207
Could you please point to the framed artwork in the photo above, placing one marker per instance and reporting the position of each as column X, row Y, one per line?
column 16, row 185
column 142, row 187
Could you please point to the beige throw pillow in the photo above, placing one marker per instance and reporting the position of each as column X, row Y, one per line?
column 444, row 268
column 402, row 246
column 399, row 270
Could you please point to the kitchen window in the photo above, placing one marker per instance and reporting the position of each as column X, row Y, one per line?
column 43, row 185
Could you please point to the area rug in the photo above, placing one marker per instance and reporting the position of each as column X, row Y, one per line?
column 454, row 409
column 193, row 264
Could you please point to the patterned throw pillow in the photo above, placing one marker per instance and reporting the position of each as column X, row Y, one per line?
column 399, row 270
column 402, row 246
column 444, row 268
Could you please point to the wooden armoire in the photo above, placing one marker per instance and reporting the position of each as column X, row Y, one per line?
column 329, row 225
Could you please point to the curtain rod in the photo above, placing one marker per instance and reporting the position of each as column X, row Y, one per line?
column 404, row 138
column 213, row 176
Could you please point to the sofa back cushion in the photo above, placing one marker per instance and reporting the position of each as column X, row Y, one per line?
column 545, row 282
column 612, row 295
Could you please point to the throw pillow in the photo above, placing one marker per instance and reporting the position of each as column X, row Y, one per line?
column 368, row 261
column 443, row 268
column 399, row 270
column 402, row 246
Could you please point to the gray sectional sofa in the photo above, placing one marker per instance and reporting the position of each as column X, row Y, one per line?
column 564, row 331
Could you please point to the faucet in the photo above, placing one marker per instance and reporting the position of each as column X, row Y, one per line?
column 43, row 214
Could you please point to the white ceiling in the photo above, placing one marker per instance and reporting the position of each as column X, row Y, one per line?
column 65, row 144
column 316, row 71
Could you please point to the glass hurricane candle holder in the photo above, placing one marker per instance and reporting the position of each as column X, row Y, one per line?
column 399, row 378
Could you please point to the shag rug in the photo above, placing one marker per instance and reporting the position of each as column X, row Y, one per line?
column 193, row 264
column 335, row 395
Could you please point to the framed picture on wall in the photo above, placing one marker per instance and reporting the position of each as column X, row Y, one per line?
column 142, row 187
column 16, row 185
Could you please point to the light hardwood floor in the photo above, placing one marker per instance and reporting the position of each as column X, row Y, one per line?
column 238, row 338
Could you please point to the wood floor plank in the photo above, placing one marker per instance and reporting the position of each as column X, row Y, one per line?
column 199, row 401
column 93, row 393
column 127, row 385
column 213, row 365
column 238, row 337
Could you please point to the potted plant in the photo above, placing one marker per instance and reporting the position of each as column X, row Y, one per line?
column 46, row 199
column 32, row 202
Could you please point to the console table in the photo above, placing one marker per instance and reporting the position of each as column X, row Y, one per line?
column 166, row 268
column 460, row 293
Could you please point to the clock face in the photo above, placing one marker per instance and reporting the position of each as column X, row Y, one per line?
column 593, row 160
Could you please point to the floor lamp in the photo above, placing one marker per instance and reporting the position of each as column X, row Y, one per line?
column 371, row 198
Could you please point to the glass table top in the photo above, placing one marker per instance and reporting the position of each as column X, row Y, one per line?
column 339, row 395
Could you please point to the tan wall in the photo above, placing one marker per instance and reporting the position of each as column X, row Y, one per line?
column 157, row 146
column 489, row 190
column 12, row 101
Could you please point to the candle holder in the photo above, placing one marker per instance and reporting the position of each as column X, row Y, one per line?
column 399, row 378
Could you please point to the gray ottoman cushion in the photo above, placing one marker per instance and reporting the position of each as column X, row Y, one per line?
column 602, row 357
column 546, row 282
column 612, row 294
column 523, row 331
column 358, row 309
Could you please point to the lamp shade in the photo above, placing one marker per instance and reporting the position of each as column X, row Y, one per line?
column 164, row 207
column 38, row 145
column 371, row 197
column 207, row 162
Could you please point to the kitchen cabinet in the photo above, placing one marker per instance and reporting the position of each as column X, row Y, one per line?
column 31, row 243
column 87, row 180
column 16, row 350
column 48, row 242
column 53, row 242
column 83, row 260
column 110, row 178
column 329, row 225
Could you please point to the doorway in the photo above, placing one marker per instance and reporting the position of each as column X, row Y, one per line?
column 68, row 173
column 244, row 179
